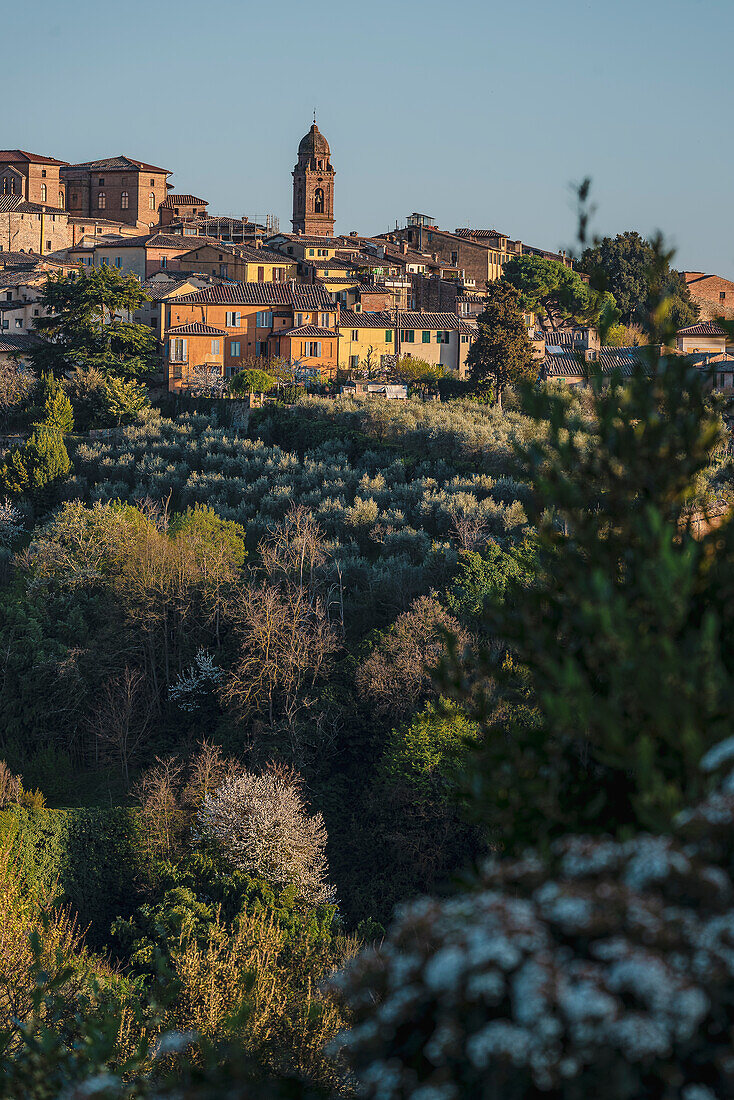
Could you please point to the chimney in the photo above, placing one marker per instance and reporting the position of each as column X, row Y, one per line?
column 404, row 247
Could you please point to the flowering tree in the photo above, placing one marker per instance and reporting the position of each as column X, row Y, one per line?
column 606, row 971
column 261, row 824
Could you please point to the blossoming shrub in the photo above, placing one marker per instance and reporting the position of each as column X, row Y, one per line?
column 261, row 825
column 605, row 971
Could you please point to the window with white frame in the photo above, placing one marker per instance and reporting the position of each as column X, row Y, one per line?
column 215, row 347
column 124, row 200
column 355, row 334
column 264, row 318
column 232, row 319
column 101, row 201
column 178, row 350
column 234, row 349
column 354, row 361
column 151, row 201
column 298, row 320
column 324, row 320
column 44, row 192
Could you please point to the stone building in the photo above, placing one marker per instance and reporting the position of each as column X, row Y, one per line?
column 713, row 295
column 120, row 188
column 313, row 186
column 32, row 177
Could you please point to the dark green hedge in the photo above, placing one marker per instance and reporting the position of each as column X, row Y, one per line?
column 93, row 857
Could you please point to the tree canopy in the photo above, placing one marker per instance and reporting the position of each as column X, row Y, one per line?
column 85, row 325
column 554, row 291
column 501, row 354
column 624, row 266
column 252, row 380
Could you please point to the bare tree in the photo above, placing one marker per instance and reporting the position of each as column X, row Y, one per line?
column 124, row 716
column 158, row 791
column 468, row 528
column 396, row 675
column 261, row 824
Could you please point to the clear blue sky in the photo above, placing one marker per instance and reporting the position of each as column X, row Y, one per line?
column 477, row 112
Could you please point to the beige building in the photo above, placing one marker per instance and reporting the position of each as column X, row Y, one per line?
column 373, row 340
column 705, row 336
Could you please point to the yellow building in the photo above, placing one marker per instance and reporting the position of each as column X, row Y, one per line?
column 372, row 340
column 242, row 263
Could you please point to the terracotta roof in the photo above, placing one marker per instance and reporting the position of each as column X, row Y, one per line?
column 122, row 162
column 298, row 295
column 246, row 252
column 14, row 156
column 703, row 328
column 16, row 204
column 308, row 330
column 481, row 233
column 182, row 200
column 148, row 240
column 158, row 289
column 21, row 278
column 325, row 242
column 196, row 328
column 19, row 343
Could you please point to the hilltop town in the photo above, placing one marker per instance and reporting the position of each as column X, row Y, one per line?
column 221, row 293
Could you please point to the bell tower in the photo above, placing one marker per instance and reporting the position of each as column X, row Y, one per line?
column 313, row 186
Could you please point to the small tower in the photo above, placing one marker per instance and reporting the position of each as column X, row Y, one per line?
column 313, row 186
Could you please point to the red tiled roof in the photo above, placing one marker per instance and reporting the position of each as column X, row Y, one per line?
column 309, row 330
column 182, row 200
column 298, row 295
column 441, row 322
column 703, row 328
column 196, row 328
column 15, row 204
column 13, row 156
column 119, row 163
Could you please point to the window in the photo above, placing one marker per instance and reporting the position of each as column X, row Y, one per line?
column 125, row 200
column 465, row 339
column 298, row 320
column 8, row 295
column 44, row 191
column 234, row 348
column 443, row 337
column 101, row 181
column 101, row 201
column 388, row 335
column 278, row 274
column 224, row 270
column 318, row 203
column 426, row 337
column 312, row 251
column 175, row 210
column 164, row 262
column 151, row 201
column 354, row 361
column 152, row 183
column 264, row 319
column 408, row 336
column 19, row 322
column 355, row 334
column 48, row 246
column 722, row 295
column 43, row 173
column 178, row 350
column 118, row 261
column 324, row 319
column 454, row 258
column 312, row 348
column 61, row 200
column 233, row 320
column 261, row 347
column 261, row 274
column 215, row 347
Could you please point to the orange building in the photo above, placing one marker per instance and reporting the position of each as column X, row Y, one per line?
column 258, row 320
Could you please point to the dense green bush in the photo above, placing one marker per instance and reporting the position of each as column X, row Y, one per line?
column 91, row 856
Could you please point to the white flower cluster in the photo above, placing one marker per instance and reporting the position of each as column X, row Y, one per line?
column 190, row 687
column 606, row 971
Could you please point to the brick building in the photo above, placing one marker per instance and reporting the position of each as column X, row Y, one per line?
column 175, row 208
column 713, row 295
column 32, row 227
column 32, row 177
column 120, row 188
column 313, row 186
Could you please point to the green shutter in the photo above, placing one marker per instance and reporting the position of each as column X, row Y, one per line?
column 388, row 335
column 426, row 337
